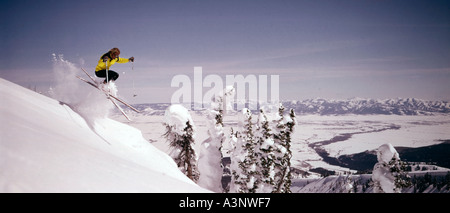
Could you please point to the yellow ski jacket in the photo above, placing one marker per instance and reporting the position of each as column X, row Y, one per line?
column 101, row 65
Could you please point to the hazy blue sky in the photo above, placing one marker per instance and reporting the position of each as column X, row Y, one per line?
column 329, row 49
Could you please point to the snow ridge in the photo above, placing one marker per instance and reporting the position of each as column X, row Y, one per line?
column 47, row 146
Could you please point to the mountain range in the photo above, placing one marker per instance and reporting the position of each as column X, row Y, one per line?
column 357, row 106
column 397, row 106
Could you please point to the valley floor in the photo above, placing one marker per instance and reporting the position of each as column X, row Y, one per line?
column 333, row 135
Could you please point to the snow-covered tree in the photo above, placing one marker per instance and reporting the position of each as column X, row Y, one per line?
column 265, row 153
column 210, row 158
column 282, row 139
column 344, row 184
column 235, row 157
column 261, row 155
column 244, row 166
column 389, row 174
column 180, row 133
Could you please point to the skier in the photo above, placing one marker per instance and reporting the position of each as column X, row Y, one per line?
column 105, row 62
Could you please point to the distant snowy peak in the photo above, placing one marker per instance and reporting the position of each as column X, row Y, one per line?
column 398, row 106
column 358, row 106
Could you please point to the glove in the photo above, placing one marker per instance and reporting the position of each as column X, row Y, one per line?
column 131, row 59
column 105, row 59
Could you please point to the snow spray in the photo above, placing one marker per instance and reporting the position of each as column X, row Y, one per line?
column 88, row 102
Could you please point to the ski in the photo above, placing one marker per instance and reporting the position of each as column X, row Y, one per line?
column 126, row 104
column 108, row 97
column 88, row 74
column 118, row 99
column 120, row 109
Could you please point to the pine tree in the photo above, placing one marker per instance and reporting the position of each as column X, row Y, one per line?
column 389, row 174
column 234, row 163
column 184, row 154
column 244, row 160
column 282, row 138
column 265, row 153
column 290, row 125
column 398, row 169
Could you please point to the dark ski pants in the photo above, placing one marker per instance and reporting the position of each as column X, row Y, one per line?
column 112, row 75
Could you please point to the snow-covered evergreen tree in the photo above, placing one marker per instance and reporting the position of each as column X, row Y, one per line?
column 389, row 174
column 236, row 152
column 265, row 153
column 344, row 184
column 282, row 138
column 244, row 164
column 261, row 155
column 210, row 159
column 238, row 155
column 180, row 133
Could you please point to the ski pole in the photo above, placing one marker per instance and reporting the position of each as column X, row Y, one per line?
column 106, row 68
column 107, row 80
column 132, row 69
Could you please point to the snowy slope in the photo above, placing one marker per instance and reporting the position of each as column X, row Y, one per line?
column 45, row 146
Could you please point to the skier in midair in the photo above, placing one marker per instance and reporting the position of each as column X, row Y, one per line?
column 105, row 62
